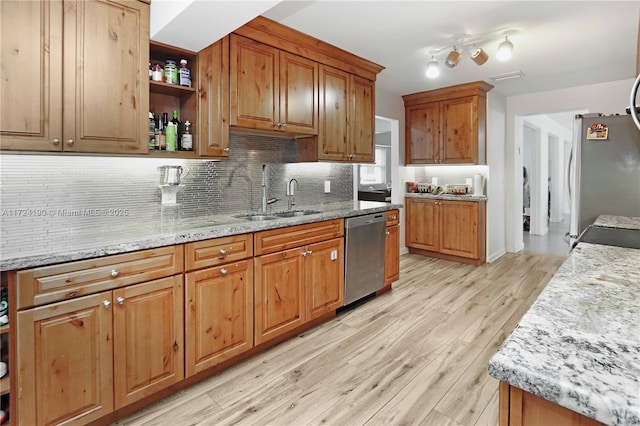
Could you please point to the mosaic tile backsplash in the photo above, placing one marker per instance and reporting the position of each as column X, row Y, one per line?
column 49, row 197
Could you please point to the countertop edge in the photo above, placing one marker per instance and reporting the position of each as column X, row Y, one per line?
column 451, row 197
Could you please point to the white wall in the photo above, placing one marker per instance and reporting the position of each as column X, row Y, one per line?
column 496, row 128
column 609, row 98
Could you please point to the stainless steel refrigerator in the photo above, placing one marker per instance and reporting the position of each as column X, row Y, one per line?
column 604, row 169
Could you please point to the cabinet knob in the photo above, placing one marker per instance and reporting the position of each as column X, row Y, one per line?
column 393, row 217
column 223, row 251
column 106, row 304
column 224, row 271
column 115, row 273
column 304, row 254
column 56, row 141
column 283, row 124
column 70, row 142
column 120, row 300
column 309, row 252
column 226, row 149
column 387, row 233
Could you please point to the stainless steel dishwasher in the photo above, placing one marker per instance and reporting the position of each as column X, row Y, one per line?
column 364, row 255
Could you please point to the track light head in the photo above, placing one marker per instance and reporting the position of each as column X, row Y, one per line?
column 452, row 58
column 433, row 69
column 505, row 50
column 478, row 55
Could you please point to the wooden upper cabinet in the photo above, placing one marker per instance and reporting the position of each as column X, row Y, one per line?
column 347, row 117
column 459, row 142
column 447, row 126
column 213, row 100
column 58, row 93
column 423, row 133
column 271, row 89
column 362, row 118
column 333, row 133
column 31, row 77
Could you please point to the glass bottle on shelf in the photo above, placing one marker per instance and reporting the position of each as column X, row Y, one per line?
column 178, row 128
column 187, row 138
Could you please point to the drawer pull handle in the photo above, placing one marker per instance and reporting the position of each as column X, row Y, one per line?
column 115, row 273
column 120, row 300
column 106, row 304
column 223, row 251
column 224, row 271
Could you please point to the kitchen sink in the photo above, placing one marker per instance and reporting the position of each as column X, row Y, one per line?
column 255, row 217
column 629, row 238
column 296, row 213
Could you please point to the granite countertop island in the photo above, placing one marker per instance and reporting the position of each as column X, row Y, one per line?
column 132, row 236
column 579, row 344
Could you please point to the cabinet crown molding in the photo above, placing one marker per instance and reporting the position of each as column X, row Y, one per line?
column 476, row 88
column 284, row 38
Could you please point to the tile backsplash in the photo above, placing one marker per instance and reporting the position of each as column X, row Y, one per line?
column 68, row 197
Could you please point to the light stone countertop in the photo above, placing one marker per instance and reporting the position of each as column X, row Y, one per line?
column 129, row 237
column 579, row 344
column 452, row 197
column 626, row 222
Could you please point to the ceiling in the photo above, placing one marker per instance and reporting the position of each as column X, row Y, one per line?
column 557, row 44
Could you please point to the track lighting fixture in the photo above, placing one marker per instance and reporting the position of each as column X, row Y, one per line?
column 452, row 58
column 505, row 49
column 478, row 55
column 433, row 69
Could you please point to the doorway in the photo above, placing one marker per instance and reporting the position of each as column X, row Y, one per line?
column 545, row 212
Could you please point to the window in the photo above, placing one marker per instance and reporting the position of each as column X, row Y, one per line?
column 372, row 174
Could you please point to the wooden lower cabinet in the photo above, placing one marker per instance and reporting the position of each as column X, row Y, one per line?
column 279, row 293
column 324, row 277
column 148, row 337
column 219, row 314
column 449, row 229
column 80, row 359
column 521, row 408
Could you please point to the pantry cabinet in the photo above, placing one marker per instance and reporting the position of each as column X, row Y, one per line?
column 299, row 275
column 347, row 117
column 271, row 89
column 392, row 248
column 57, row 94
column 447, row 126
column 448, row 229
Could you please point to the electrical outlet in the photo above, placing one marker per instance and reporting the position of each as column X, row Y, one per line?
column 327, row 186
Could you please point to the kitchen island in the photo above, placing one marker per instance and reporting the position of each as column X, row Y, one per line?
column 578, row 346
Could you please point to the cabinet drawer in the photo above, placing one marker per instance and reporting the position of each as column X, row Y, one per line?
column 280, row 239
column 203, row 254
column 393, row 217
column 53, row 283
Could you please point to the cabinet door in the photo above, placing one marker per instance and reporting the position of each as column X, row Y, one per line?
column 279, row 293
column 333, row 132
column 324, row 271
column 422, row 133
column 423, row 224
column 254, row 84
column 219, row 314
column 65, row 360
column 459, row 231
column 213, row 100
column 298, row 94
column 362, row 120
column 392, row 255
column 31, row 75
column 106, row 88
column 148, row 338
column 459, row 130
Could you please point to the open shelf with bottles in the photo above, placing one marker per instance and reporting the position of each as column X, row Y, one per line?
column 164, row 97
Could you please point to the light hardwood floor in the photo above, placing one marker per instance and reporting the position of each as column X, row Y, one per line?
column 414, row 356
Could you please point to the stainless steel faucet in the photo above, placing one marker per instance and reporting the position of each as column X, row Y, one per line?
column 291, row 201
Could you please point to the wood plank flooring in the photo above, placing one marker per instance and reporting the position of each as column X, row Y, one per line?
column 414, row 356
